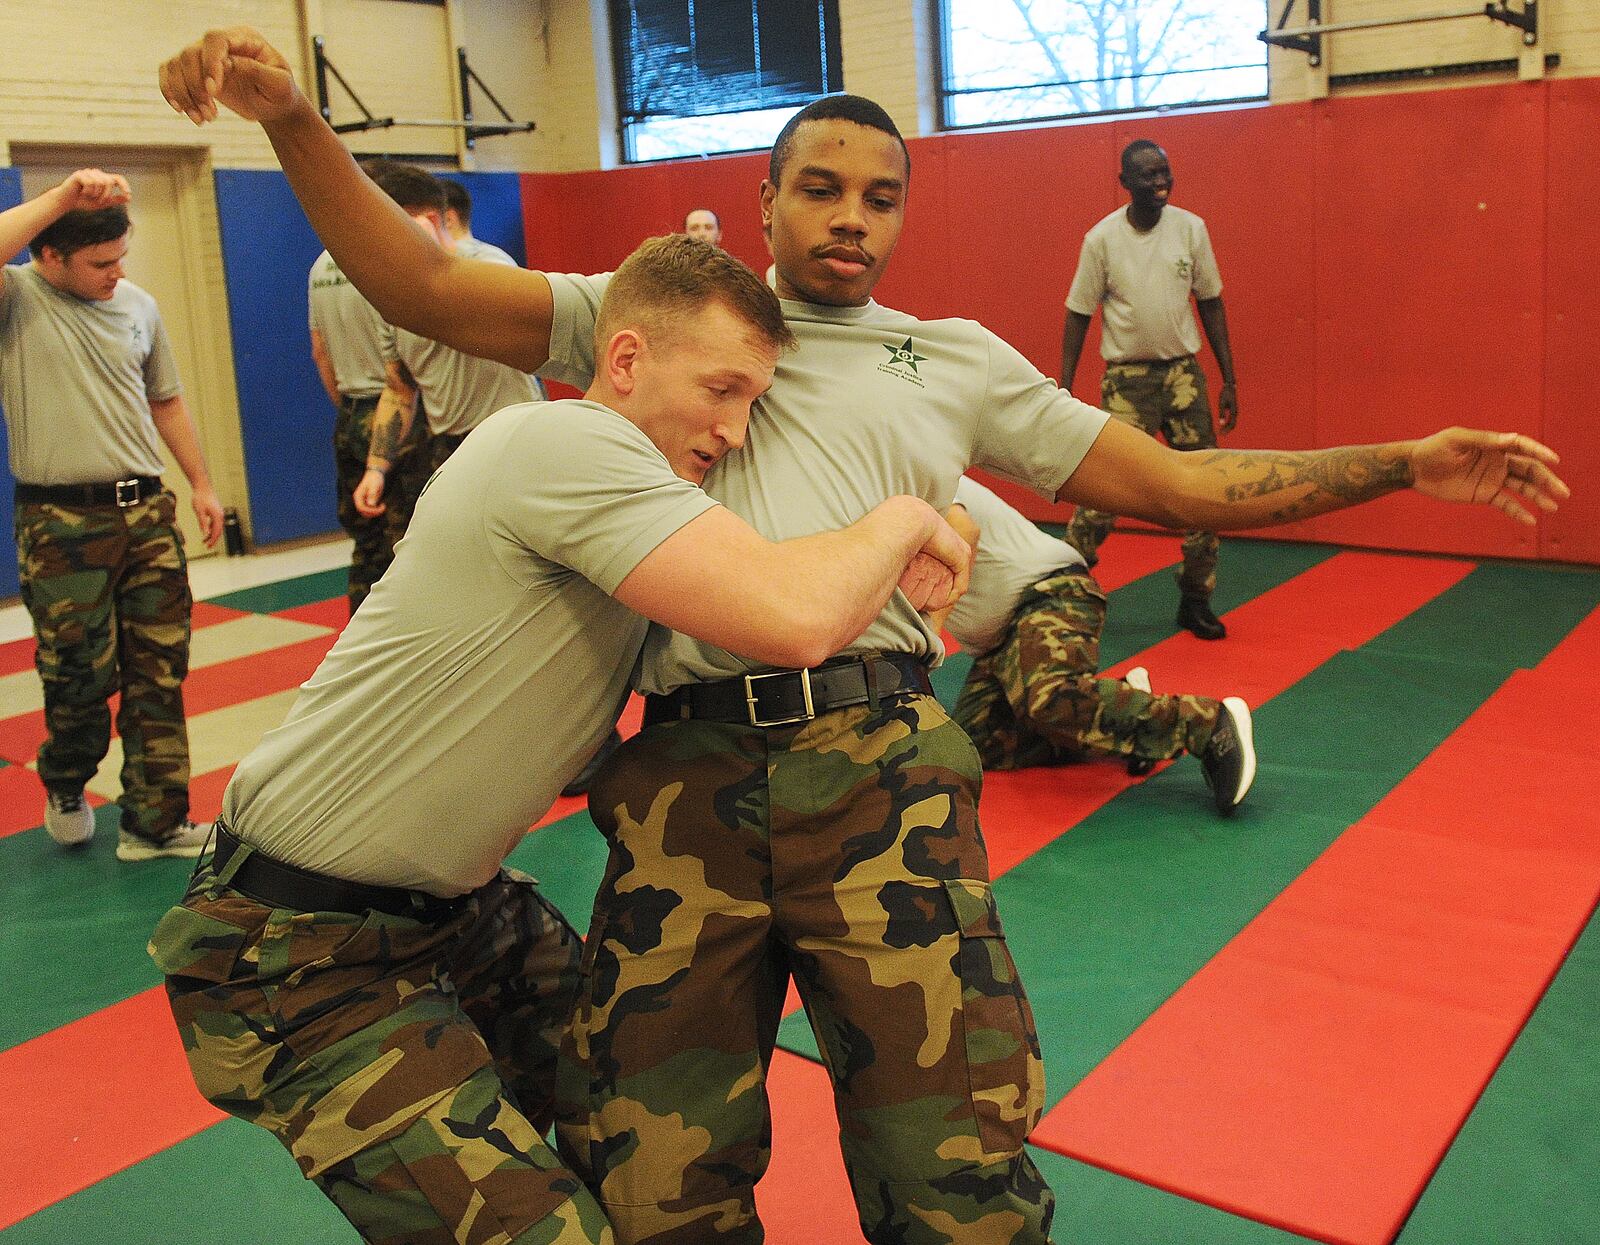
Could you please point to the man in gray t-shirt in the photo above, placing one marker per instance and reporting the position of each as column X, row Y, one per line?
column 1141, row 265
column 1031, row 621
column 458, row 391
column 347, row 347
column 766, row 825
column 91, row 394
column 417, row 988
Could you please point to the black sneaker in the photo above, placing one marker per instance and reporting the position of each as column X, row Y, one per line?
column 1229, row 759
column 580, row 784
column 1195, row 614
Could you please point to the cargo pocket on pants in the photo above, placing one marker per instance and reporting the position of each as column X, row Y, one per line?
column 1004, row 1068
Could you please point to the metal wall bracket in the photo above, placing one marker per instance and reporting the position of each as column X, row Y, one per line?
column 1308, row 38
column 468, row 76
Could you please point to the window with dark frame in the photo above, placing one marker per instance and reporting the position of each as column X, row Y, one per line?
column 1004, row 61
column 700, row 77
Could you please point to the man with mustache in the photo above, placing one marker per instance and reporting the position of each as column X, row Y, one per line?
column 816, row 824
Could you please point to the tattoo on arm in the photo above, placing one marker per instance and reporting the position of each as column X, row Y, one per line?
column 1336, row 478
column 387, row 433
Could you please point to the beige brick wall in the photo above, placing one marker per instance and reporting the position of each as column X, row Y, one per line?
column 84, row 70
column 1570, row 28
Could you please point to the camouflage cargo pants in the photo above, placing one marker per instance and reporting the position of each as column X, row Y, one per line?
column 1168, row 399
column 375, row 537
column 1037, row 700
column 406, row 1065
column 846, row 853
column 108, row 591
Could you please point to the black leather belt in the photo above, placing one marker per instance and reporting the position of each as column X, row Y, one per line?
column 271, row 882
column 122, row 493
column 787, row 697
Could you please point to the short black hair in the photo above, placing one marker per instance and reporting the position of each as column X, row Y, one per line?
column 457, row 197
column 76, row 230
column 857, row 108
column 412, row 188
column 1135, row 147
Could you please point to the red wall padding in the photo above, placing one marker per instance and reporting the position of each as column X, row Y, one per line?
column 1391, row 264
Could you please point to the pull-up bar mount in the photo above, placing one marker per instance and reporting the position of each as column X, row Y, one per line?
column 1308, row 38
column 468, row 76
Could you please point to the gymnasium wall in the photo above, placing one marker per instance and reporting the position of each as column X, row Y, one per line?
column 285, row 418
column 1392, row 264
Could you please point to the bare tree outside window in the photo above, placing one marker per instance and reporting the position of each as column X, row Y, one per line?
column 1015, row 60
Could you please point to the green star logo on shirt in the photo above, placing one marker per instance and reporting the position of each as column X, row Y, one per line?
column 905, row 355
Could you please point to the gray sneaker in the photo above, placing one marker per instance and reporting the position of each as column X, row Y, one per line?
column 187, row 840
column 68, row 818
column 1229, row 760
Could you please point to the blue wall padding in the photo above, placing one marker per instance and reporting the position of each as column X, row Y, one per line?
column 285, row 418
column 10, row 196
column 496, row 210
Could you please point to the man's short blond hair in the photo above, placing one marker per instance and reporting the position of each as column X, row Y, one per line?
column 669, row 279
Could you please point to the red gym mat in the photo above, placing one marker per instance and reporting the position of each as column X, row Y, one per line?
column 213, row 687
column 1316, row 1071
column 805, row 1197
column 66, row 1129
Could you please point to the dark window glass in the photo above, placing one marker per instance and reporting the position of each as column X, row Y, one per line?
column 702, row 76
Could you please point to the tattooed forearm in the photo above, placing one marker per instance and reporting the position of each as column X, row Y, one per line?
column 1316, row 481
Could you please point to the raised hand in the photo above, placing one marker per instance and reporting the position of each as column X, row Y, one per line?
column 236, row 67
column 89, row 190
column 1499, row 469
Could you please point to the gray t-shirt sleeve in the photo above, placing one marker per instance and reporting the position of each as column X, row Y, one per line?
column 388, row 340
column 1207, row 280
column 1029, row 430
column 602, row 496
column 160, row 369
column 1089, row 282
column 8, row 291
column 576, row 301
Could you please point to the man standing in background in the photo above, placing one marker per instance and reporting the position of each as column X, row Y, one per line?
column 458, row 224
column 1141, row 264
column 347, row 346
column 704, row 224
column 91, row 393
column 458, row 391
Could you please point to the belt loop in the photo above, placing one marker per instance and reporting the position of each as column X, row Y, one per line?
column 224, row 876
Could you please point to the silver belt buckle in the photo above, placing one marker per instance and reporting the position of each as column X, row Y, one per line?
column 126, row 493
column 805, row 692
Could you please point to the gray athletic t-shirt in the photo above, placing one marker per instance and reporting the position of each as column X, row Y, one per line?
column 485, row 668
column 77, row 378
column 872, row 403
column 1143, row 282
column 459, row 391
column 1013, row 555
column 476, row 248
column 350, row 326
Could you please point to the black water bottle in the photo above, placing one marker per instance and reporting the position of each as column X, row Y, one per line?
column 232, row 533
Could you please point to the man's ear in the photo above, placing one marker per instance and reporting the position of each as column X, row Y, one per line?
column 769, row 192
column 622, row 355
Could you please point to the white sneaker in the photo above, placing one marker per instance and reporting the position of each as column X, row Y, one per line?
column 1229, row 760
column 68, row 818
column 1139, row 679
column 187, row 840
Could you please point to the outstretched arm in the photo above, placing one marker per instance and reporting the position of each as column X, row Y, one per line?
column 1129, row 473
column 87, row 190
column 491, row 310
column 796, row 602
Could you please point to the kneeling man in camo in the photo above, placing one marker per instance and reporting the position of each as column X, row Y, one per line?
column 354, row 969
column 1032, row 620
